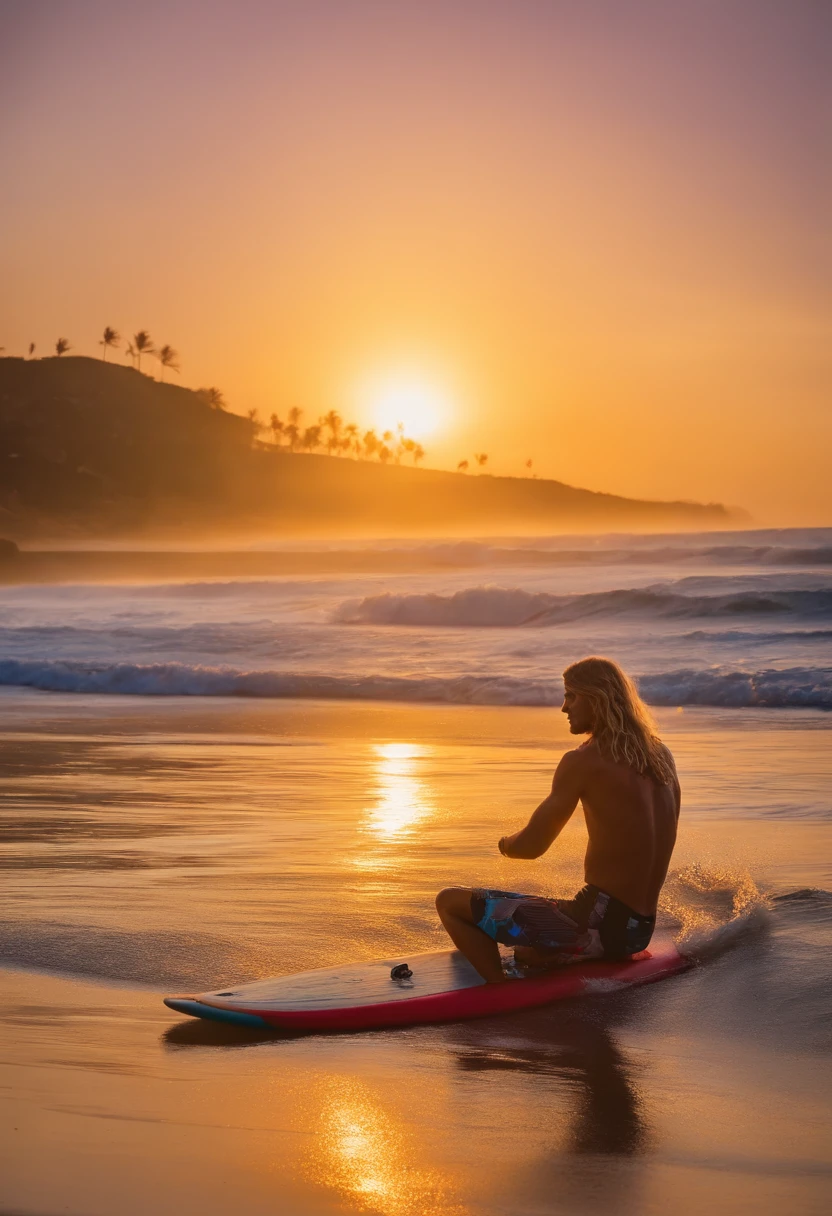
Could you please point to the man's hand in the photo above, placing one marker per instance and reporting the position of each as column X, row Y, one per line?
column 551, row 816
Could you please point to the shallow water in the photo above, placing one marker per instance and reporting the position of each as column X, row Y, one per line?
column 159, row 845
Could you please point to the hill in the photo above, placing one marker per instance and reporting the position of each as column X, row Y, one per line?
column 89, row 448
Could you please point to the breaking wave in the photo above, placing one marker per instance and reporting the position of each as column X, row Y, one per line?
column 803, row 687
column 511, row 606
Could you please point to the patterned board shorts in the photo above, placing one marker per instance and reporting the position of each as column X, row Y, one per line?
column 592, row 925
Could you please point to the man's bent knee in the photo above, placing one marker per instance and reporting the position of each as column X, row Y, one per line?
column 456, row 900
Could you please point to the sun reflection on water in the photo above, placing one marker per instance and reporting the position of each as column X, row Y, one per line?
column 367, row 1154
column 403, row 797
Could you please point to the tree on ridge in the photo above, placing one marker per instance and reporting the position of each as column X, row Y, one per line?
column 462, row 467
column 213, row 397
column 31, row 349
column 110, row 337
column 61, row 346
column 167, row 356
column 143, row 345
column 481, row 459
column 311, row 437
column 333, row 422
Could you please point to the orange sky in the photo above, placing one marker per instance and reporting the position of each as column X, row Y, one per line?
column 597, row 229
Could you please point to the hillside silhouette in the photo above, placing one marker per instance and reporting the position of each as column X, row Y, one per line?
column 92, row 448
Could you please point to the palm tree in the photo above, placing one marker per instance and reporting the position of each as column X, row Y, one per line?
column 61, row 346
column 31, row 349
column 130, row 351
column 292, row 433
column 213, row 397
column 418, row 453
column 277, row 427
column 110, row 337
column 384, row 453
column 256, row 424
column 481, row 459
column 462, row 467
column 351, row 438
column 333, row 421
column 167, row 356
column 143, row 345
column 529, row 464
column 311, row 437
column 370, row 444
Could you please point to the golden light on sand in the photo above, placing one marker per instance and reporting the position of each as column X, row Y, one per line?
column 404, row 399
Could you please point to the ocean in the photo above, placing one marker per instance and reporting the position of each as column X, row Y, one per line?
column 731, row 619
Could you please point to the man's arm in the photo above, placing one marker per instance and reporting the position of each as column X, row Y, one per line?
column 552, row 815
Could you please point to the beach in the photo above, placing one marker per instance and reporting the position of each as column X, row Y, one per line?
column 213, row 782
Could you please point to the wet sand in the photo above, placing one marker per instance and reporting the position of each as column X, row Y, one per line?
column 162, row 846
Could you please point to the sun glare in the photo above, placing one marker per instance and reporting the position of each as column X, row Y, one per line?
column 420, row 407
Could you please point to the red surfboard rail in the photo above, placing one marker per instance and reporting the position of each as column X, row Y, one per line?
column 481, row 1000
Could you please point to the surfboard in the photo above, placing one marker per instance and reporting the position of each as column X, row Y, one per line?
column 443, row 987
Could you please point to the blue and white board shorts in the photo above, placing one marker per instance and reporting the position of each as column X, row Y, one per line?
column 592, row 925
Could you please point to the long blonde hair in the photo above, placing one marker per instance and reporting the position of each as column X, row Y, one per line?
column 623, row 725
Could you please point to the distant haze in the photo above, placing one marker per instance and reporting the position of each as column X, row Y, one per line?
column 595, row 233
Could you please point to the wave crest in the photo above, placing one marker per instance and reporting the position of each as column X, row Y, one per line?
column 795, row 687
column 511, row 606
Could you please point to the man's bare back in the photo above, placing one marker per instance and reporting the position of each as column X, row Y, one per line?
column 631, row 823
column 626, row 781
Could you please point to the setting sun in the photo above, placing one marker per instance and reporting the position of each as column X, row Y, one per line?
column 421, row 407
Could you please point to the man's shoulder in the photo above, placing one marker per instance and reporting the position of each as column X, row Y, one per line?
column 579, row 759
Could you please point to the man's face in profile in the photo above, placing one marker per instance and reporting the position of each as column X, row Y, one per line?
column 578, row 712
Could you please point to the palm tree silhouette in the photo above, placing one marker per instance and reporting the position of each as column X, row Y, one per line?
column 110, row 337
column 213, row 397
column 167, row 356
column 529, row 464
column 143, row 345
column 370, row 444
column 481, row 459
column 277, row 427
column 256, row 423
column 31, row 349
column 311, row 437
column 61, row 346
column 418, row 453
column 462, row 467
column 351, row 438
column 333, row 422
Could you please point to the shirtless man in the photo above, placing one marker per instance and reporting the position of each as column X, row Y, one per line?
column 625, row 779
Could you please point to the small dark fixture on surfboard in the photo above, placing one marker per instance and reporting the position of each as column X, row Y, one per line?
column 401, row 972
